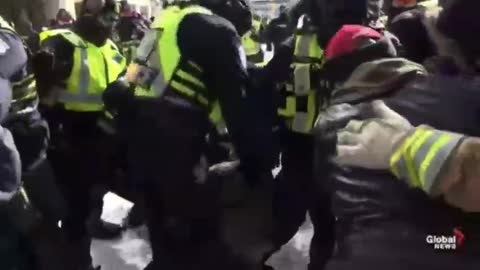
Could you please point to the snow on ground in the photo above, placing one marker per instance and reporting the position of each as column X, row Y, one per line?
column 132, row 251
column 246, row 228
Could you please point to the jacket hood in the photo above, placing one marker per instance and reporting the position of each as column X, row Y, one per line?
column 376, row 78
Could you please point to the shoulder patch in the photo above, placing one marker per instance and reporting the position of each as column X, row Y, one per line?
column 118, row 58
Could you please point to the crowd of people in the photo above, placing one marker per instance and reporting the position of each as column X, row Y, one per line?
column 369, row 108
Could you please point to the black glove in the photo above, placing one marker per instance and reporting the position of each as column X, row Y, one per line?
column 43, row 68
column 119, row 98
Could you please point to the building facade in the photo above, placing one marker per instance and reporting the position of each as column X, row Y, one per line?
column 73, row 6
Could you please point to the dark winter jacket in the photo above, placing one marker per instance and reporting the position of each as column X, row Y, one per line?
column 379, row 218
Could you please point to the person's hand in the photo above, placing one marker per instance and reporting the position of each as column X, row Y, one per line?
column 10, row 170
column 370, row 143
column 118, row 97
column 43, row 64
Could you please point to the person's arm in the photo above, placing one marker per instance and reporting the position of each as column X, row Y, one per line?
column 10, row 167
column 440, row 163
column 213, row 43
column 52, row 65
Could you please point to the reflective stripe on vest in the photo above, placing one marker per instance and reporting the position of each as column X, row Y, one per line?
column 93, row 69
column 24, row 92
column 159, row 51
column 300, row 100
column 24, row 97
column 423, row 154
column 5, row 25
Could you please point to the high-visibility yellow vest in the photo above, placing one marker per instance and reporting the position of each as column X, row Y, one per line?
column 421, row 157
column 299, row 97
column 251, row 46
column 24, row 96
column 24, row 92
column 160, row 51
column 93, row 69
column 165, row 16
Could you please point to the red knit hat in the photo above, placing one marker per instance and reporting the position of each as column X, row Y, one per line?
column 347, row 39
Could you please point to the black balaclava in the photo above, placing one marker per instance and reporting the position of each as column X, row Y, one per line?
column 97, row 20
column 238, row 12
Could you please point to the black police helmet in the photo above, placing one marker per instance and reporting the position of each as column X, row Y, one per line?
column 104, row 8
column 238, row 12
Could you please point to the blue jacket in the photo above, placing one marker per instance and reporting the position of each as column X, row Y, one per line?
column 10, row 167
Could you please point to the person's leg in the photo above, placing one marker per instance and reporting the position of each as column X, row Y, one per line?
column 14, row 249
column 167, row 158
column 291, row 191
column 46, row 239
column 77, row 170
column 323, row 240
column 290, row 206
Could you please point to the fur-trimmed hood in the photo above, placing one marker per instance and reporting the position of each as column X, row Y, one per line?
column 445, row 46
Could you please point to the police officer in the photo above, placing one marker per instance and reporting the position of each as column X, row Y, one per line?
column 190, row 75
column 279, row 28
column 73, row 68
column 33, row 214
column 296, row 72
column 10, row 172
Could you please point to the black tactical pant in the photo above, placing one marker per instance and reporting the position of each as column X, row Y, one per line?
column 80, row 159
column 15, row 253
column 168, row 165
column 296, row 194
